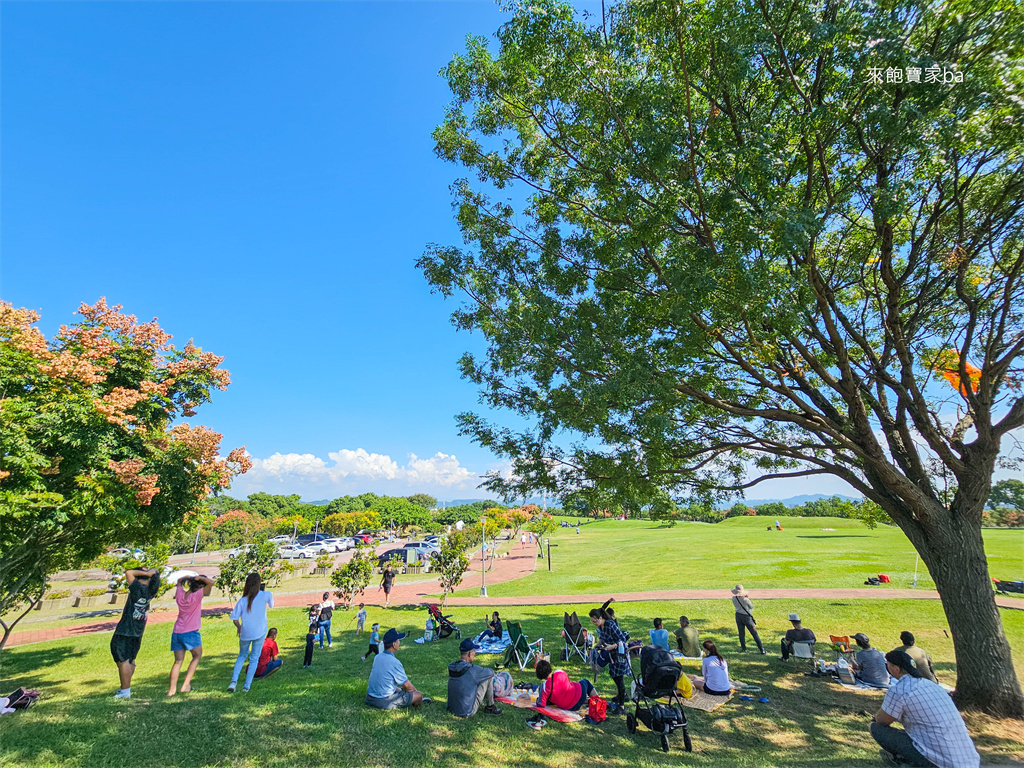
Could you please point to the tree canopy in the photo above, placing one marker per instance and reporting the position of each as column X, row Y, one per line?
column 93, row 449
column 722, row 241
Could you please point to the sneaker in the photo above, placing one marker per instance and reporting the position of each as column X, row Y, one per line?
column 491, row 709
column 330, row 645
column 231, row 688
column 362, row 658
column 888, row 758
column 536, row 723
column 245, row 690
column 125, row 693
column 427, row 699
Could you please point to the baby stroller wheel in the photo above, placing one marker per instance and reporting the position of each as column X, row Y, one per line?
column 631, row 723
column 687, row 742
column 664, row 742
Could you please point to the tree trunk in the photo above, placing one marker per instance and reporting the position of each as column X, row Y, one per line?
column 985, row 677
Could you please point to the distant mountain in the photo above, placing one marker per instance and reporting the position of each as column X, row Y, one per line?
column 794, row 501
column 318, row 502
column 538, row 500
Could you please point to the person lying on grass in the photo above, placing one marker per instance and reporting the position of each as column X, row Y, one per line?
column 470, row 685
column 185, row 633
column 557, row 690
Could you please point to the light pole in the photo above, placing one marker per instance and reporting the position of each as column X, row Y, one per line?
column 196, row 545
column 483, row 557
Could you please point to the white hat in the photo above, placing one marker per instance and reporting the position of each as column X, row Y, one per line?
column 739, row 590
column 794, row 617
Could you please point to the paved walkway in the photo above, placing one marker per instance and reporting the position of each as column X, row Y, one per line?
column 517, row 564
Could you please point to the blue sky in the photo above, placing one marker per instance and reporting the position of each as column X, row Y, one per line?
column 261, row 178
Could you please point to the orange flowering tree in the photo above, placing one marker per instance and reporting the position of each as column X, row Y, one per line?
column 93, row 451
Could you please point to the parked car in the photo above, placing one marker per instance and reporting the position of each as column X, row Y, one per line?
column 332, row 544
column 238, row 550
column 280, row 540
column 422, row 545
column 348, row 542
column 298, row 552
column 122, row 552
column 309, row 538
column 365, row 538
column 403, row 556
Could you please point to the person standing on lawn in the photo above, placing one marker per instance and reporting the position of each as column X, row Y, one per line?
column 386, row 582
column 745, row 618
column 361, row 619
column 250, row 618
column 611, row 652
column 933, row 732
column 326, row 612
column 185, row 633
column 307, row 660
column 127, row 638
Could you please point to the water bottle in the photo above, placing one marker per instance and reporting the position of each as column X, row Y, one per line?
column 622, row 648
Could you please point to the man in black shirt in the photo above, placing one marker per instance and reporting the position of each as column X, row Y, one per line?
column 124, row 645
column 798, row 634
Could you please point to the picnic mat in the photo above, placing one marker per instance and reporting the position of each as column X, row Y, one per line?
column 703, row 702
column 679, row 657
column 552, row 713
column 492, row 644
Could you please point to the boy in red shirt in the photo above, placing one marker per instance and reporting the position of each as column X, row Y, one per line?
column 269, row 663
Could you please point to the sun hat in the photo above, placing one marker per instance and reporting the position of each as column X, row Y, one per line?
column 468, row 645
column 392, row 635
column 860, row 637
column 739, row 590
column 794, row 617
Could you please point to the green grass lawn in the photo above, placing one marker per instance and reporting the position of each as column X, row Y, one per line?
column 316, row 717
column 636, row 555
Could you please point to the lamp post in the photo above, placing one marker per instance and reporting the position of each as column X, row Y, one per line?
column 483, row 557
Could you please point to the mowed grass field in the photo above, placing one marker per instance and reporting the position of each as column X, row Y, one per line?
column 613, row 556
column 316, row 717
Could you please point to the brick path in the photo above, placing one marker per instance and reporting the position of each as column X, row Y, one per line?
column 517, row 564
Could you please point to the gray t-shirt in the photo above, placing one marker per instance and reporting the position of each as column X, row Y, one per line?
column 872, row 667
column 463, row 681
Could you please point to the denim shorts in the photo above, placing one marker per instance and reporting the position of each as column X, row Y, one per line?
column 185, row 641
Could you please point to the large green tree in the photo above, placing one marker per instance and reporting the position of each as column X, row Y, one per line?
column 723, row 238
column 93, row 451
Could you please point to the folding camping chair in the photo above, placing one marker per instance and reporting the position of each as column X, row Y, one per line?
column 577, row 639
column 841, row 645
column 804, row 651
column 520, row 649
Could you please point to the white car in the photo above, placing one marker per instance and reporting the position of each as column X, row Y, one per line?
column 122, row 552
column 333, row 544
column 297, row 551
column 238, row 551
column 280, row 540
column 348, row 542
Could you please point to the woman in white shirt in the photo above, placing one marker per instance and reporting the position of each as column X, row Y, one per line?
column 715, row 681
column 250, row 617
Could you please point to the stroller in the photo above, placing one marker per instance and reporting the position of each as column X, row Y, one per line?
column 659, row 674
column 442, row 624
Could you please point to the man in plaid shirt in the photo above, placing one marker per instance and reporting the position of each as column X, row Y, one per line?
column 933, row 732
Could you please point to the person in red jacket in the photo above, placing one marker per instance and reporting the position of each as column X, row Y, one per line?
column 269, row 663
column 557, row 690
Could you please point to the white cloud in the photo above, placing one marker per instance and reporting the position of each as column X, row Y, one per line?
column 353, row 471
column 362, row 464
column 439, row 469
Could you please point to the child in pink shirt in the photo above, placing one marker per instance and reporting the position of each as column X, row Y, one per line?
column 185, row 634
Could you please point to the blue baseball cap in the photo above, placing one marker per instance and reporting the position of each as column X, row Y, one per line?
column 391, row 636
column 468, row 645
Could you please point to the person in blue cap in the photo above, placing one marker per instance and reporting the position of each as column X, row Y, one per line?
column 469, row 686
column 389, row 687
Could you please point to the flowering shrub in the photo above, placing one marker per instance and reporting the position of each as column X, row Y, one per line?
column 93, row 449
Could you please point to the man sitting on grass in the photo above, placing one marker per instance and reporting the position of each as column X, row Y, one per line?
column 687, row 639
column 918, row 654
column 469, row 686
column 389, row 687
column 869, row 666
column 933, row 732
column 798, row 634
